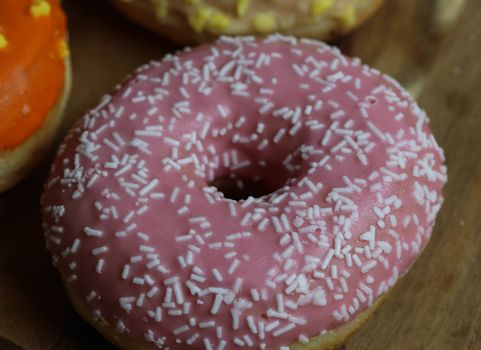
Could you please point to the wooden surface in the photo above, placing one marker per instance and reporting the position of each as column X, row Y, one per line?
column 432, row 46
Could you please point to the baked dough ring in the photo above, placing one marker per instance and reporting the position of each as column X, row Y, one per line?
column 34, row 83
column 195, row 21
column 149, row 249
column 330, row 340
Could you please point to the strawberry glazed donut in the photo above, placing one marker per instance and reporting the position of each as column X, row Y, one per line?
column 193, row 21
column 156, row 257
column 34, row 83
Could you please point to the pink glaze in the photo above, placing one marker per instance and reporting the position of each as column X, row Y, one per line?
column 151, row 249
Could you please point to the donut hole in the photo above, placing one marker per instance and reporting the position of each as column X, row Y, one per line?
column 262, row 176
column 238, row 188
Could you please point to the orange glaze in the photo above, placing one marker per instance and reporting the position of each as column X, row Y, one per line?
column 32, row 68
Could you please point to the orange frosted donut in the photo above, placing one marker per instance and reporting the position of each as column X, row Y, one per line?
column 193, row 21
column 34, row 82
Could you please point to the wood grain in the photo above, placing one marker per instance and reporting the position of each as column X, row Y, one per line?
column 432, row 46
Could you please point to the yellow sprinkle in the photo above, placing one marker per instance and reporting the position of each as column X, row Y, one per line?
column 161, row 9
column 264, row 22
column 40, row 8
column 3, row 41
column 205, row 17
column 241, row 7
column 348, row 17
column 63, row 50
column 218, row 21
column 320, row 6
column 198, row 19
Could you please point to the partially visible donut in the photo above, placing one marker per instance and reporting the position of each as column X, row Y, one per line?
column 155, row 257
column 195, row 21
column 34, row 83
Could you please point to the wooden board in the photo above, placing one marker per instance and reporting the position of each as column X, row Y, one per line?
column 432, row 46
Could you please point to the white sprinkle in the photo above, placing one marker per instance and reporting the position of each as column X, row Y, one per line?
column 248, row 202
column 75, row 246
column 280, row 303
column 399, row 116
column 223, row 113
column 298, row 69
column 337, row 114
column 148, row 187
column 284, row 329
column 57, row 229
column 327, row 259
column 174, row 194
column 217, row 303
column 193, row 338
column 138, row 280
column 207, row 324
column 118, row 138
column 232, row 209
column 207, row 344
column 217, row 275
column 99, row 250
column 183, row 210
column 255, row 294
column 271, row 326
column 123, row 170
column 264, row 143
column 285, row 222
column 111, row 145
column 279, row 135
column 92, row 180
column 375, row 130
column 233, row 266
column 266, row 108
column 277, row 224
column 71, row 278
column 181, row 330
column 91, row 296
column 179, row 296
column 100, row 266
column 92, row 232
column 263, row 224
column 144, row 248
column 129, row 216
column 260, row 128
column 369, row 266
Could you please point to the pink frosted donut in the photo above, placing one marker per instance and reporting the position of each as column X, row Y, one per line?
column 156, row 257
